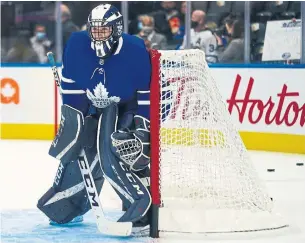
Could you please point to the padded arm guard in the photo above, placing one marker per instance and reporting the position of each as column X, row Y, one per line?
column 133, row 147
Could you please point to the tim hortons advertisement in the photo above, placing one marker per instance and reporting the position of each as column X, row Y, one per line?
column 264, row 100
column 259, row 100
column 27, row 96
column 9, row 91
column 289, row 116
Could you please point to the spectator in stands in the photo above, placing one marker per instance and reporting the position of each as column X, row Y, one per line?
column 202, row 37
column 182, row 13
column 137, row 8
column 22, row 51
column 234, row 52
column 152, row 39
column 167, row 19
column 181, row 31
column 228, row 21
column 223, row 33
column 68, row 27
column 40, row 43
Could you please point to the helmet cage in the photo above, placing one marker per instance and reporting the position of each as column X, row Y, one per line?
column 117, row 28
column 98, row 23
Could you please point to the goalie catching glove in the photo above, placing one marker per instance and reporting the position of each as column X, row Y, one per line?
column 133, row 147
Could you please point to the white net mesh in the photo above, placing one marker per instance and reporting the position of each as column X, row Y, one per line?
column 207, row 181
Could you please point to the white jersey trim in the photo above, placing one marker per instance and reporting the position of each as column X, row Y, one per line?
column 143, row 91
column 143, row 102
column 67, row 80
column 69, row 91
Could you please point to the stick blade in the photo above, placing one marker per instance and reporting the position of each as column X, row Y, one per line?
column 115, row 228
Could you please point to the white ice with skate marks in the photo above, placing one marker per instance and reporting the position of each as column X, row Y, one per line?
column 27, row 171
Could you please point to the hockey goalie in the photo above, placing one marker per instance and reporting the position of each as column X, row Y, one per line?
column 101, row 124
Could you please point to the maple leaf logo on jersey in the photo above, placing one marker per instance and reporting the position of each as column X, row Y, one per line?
column 100, row 97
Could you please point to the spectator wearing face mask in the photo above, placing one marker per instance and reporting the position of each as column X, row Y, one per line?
column 147, row 32
column 40, row 43
column 202, row 37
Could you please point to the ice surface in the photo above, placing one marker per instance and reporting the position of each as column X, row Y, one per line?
column 27, row 171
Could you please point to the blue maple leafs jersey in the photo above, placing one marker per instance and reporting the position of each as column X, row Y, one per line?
column 123, row 78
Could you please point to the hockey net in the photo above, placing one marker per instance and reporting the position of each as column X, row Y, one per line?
column 202, row 179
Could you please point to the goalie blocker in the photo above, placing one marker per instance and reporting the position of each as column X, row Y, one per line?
column 67, row 198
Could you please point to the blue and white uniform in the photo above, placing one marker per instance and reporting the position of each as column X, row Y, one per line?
column 105, row 92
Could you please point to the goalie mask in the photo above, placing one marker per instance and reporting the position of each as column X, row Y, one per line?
column 105, row 27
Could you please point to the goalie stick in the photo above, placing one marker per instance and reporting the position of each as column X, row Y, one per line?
column 103, row 224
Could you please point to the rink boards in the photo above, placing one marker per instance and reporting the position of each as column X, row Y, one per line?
column 267, row 105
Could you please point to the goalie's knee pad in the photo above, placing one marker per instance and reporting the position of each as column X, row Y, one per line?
column 128, row 185
column 67, row 198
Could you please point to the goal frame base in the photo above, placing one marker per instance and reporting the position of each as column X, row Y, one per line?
column 154, row 230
